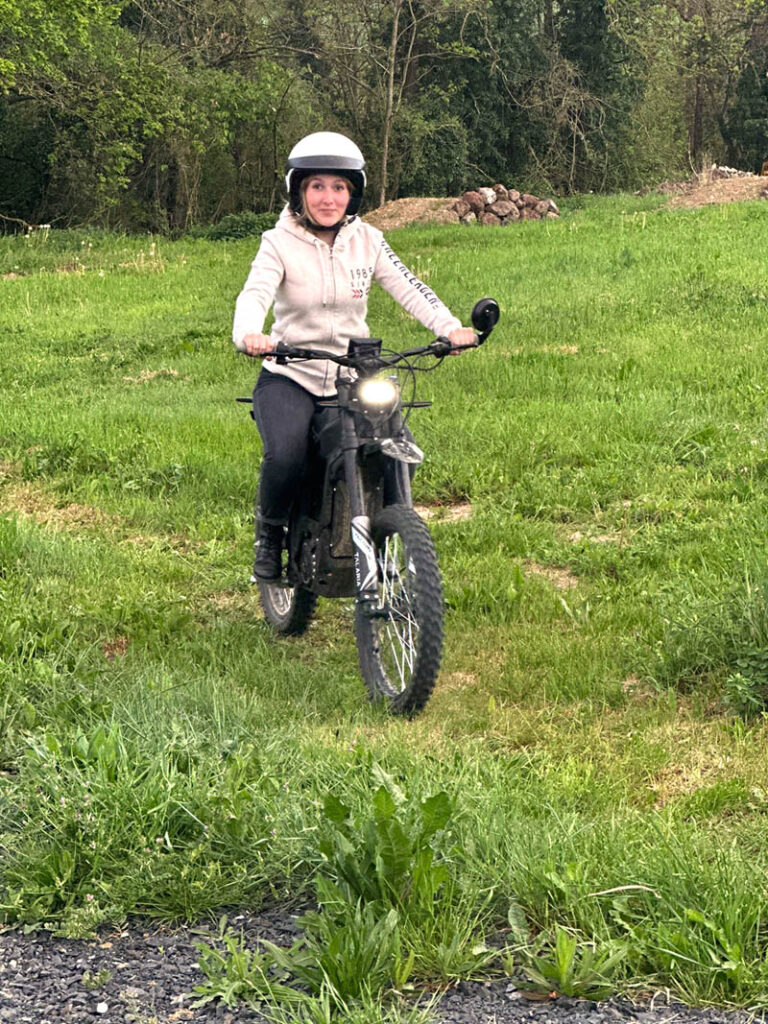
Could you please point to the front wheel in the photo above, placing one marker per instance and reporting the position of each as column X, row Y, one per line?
column 287, row 609
column 400, row 644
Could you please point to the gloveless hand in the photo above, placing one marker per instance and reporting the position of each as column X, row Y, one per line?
column 461, row 337
column 257, row 344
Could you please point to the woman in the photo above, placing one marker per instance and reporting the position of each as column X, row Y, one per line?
column 316, row 266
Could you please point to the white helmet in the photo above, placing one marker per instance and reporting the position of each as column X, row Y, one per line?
column 325, row 153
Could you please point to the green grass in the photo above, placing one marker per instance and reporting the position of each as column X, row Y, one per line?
column 598, row 727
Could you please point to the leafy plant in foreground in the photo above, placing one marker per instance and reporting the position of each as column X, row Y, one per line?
column 235, row 974
column 573, row 968
column 382, row 879
column 391, row 856
column 347, row 954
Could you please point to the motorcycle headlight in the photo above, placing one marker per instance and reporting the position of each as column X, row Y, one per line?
column 379, row 396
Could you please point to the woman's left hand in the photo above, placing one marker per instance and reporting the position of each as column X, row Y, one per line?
column 461, row 337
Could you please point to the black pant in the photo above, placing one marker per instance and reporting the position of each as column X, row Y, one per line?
column 283, row 411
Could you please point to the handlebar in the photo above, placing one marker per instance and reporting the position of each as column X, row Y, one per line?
column 439, row 348
column 485, row 316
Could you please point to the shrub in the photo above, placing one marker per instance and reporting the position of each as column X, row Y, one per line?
column 240, row 225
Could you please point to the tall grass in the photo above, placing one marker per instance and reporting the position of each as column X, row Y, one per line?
column 597, row 731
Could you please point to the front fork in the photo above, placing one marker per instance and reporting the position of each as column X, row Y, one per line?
column 366, row 566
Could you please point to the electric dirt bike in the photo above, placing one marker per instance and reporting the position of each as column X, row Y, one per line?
column 354, row 533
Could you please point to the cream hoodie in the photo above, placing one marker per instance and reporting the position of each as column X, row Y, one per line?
column 320, row 294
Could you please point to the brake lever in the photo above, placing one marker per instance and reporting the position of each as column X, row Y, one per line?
column 280, row 353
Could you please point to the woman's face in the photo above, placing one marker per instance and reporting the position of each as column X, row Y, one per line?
column 326, row 197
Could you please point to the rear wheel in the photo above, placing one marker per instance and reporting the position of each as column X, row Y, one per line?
column 401, row 644
column 287, row 609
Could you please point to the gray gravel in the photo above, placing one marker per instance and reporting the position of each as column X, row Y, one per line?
column 146, row 975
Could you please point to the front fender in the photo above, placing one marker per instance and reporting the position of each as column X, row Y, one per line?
column 402, row 450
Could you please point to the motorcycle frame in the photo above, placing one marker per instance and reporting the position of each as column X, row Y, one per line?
column 343, row 492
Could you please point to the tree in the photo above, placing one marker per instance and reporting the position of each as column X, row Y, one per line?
column 36, row 35
column 745, row 124
column 372, row 63
column 705, row 44
column 560, row 85
column 168, row 114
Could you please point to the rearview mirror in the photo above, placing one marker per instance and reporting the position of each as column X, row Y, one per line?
column 485, row 316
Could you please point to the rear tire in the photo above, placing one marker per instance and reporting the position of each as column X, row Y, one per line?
column 401, row 647
column 288, row 610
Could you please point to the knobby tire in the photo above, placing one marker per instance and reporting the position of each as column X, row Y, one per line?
column 400, row 648
column 288, row 610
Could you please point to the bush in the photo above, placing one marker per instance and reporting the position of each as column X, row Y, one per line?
column 240, row 225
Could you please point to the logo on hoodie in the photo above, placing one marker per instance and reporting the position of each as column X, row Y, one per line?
column 360, row 281
column 412, row 280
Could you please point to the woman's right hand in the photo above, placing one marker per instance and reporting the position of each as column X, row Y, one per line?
column 257, row 344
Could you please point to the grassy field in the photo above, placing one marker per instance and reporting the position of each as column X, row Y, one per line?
column 589, row 780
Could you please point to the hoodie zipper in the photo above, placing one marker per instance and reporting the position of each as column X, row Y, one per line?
column 319, row 250
column 333, row 282
column 319, row 246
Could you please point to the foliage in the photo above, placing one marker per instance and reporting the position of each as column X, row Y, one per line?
column 137, row 134
column 380, row 878
column 36, row 34
column 390, row 857
column 237, row 974
column 746, row 688
column 238, row 225
column 571, row 968
column 747, row 122
column 703, row 50
column 160, row 118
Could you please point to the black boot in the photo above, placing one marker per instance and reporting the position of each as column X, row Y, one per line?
column 268, row 564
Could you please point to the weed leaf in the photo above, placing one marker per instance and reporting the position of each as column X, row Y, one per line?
column 435, row 813
column 334, row 809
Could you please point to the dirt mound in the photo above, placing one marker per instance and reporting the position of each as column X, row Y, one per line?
column 724, row 190
column 398, row 213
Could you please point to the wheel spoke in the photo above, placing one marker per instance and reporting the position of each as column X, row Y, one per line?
column 281, row 598
column 400, row 625
column 287, row 609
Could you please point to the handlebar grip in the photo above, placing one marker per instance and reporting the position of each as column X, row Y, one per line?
column 442, row 346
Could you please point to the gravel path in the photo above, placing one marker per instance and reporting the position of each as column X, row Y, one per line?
column 138, row 976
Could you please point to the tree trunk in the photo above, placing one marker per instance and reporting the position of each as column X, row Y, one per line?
column 390, row 102
column 695, row 133
column 549, row 22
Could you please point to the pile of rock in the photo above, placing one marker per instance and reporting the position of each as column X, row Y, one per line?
column 498, row 206
column 716, row 173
